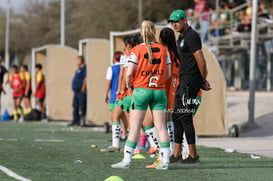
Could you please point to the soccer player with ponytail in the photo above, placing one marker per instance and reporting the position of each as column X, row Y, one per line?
column 167, row 39
column 149, row 67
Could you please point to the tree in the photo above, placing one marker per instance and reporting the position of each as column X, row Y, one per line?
column 40, row 24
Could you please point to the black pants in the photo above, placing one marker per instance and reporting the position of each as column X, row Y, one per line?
column 183, row 111
column 79, row 106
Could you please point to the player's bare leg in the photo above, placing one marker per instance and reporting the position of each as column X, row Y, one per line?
column 18, row 105
column 131, row 143
column 15, row 113
column 124, row 126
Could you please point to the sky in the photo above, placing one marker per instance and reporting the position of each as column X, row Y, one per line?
column 17, row 5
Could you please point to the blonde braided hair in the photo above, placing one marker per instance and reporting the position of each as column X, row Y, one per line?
column 148, row 35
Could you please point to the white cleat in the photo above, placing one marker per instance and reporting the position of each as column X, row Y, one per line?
column 162, row 166
column 122, row 165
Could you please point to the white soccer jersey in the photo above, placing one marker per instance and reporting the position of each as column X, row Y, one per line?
column 124, row 61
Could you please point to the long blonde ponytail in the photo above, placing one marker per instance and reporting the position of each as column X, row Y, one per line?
column 148, row 35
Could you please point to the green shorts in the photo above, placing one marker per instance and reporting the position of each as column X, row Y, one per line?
column 126, row 103
column 111, row 106
column 118, row 103
column 156, row 99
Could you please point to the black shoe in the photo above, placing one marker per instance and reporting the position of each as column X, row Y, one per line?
column 175, row 160
column 74, row 124
column 190, row 160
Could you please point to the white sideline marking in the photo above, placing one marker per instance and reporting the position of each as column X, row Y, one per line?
column 46, row 130
column 9, row 139
column 12, row 174
column 48, row 140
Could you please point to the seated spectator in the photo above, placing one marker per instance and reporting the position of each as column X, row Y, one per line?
column 262, row 12
column 239, row 16
column 245, row 25
column 223, row 20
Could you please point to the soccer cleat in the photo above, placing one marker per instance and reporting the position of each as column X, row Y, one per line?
column 137, row 151
column 162, row 166
column 155, row 155
column 122, row 165
column 155, row 164
column 21, row 120
column 175, row 160
column 110, row 149
column 190, row 160
column 152, row 150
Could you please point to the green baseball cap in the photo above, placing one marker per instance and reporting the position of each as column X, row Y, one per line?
column 177, row 15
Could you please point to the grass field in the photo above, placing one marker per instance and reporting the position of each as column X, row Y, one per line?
column 26, row 150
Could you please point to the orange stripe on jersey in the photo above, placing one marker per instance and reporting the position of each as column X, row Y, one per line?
column 150, row 76
column 172, row 82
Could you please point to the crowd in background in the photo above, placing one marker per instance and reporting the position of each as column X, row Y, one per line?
column 204, row 17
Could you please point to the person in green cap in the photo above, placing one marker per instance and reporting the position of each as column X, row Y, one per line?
column 192, row 78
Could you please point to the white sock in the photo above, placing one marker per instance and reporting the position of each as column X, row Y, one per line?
column 116, row 129
column 128, row 151
column 165, row 152
column 170, row 127
column 152, row 135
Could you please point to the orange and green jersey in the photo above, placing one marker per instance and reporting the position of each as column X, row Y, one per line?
column 172, row 82
column 124, row 62
column 150, row 75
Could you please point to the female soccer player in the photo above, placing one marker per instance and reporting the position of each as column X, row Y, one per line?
column 123, row 100
column 133, row 40
column 40, row 92
column 115, row 103
column 17, row 85
column 167, row 38
column 149, row 67
column 27, row 89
